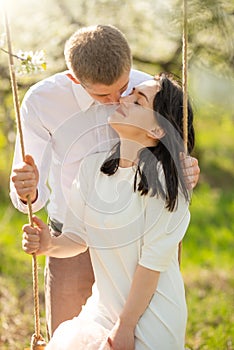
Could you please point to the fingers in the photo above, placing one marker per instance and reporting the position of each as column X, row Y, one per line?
column 27, row 165
column 30, row 247
column 25, row 179
column 31, row 242
column 24, row 185
column 29, row 160
column 191, row 170
column 25, row 188
column 36, row 239
column 109, row 341
column 40, row 224
column 31, row 239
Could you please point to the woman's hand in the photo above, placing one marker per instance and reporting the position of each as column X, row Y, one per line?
column 122, row 337
column 36, row 239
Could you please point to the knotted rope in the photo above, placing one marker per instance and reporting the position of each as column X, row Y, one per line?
column 37, row 341
column 185, row 89
column 185, row 75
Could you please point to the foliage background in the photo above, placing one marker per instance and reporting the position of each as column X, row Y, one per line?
column 153, row 28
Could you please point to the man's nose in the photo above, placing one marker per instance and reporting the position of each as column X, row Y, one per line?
column 114, row 97
column 126, row 100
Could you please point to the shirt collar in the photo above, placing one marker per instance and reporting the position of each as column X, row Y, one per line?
column 83, row 99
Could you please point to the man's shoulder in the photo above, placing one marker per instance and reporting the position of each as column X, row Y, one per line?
column 55, row 81
column 137, row 77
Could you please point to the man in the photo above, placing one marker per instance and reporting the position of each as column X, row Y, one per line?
column 63, row 119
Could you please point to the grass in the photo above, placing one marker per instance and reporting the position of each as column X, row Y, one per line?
column 16, row 291
column 208, row 270
column 210, row 305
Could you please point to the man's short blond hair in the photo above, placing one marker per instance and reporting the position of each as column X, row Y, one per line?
column 98, row 54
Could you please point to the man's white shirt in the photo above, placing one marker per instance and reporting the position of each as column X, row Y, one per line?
column 61, row 125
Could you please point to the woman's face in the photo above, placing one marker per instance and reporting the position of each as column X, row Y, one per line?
column 135, row 115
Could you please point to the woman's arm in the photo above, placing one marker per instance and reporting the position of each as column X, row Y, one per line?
column 162, row 234
column 142, row 289
column 73, row 239
column 39, row 240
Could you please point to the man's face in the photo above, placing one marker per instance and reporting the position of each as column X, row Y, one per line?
column 108, row 93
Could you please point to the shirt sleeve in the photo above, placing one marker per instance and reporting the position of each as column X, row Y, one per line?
column 163, row 232
column 37, row 143
column 74, row 223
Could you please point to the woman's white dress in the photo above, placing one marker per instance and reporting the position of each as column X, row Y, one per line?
column 123, row 229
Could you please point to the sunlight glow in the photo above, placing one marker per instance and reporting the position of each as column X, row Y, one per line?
column 2, row 3
column 6, row 5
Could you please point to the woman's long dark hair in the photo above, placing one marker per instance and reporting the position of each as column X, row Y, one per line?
column 168, row 107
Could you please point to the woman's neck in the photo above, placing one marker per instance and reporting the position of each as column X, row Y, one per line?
column 130, row 147
column 129, row 150
column 128, row 153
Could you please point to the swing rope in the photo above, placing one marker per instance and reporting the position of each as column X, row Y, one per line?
column 185, row 75
column 37, row 341
column 185, row 90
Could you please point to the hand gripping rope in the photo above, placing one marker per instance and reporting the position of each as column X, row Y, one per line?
column 37, row 341
column 185, row 90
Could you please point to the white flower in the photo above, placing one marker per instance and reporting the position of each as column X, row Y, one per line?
column 38, row 58
column 31, row 61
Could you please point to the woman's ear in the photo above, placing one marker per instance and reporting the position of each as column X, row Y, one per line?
column 156, row 133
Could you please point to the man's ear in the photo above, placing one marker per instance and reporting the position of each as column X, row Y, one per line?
column 70, row 76
column 156, row 134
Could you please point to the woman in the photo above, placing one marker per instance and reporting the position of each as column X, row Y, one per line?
column 131, row 209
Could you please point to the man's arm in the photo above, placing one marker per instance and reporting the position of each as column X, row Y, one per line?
column 26, row 177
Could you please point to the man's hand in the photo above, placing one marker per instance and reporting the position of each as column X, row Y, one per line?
column 25, row 179
column 191, row 170
column 36, row 239
column 122, row 337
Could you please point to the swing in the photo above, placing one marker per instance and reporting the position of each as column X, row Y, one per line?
column 37, row 341
column 185, row 91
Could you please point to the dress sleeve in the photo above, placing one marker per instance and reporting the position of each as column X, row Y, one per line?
column 37, row 142
column 74, row 223
column 163, row 232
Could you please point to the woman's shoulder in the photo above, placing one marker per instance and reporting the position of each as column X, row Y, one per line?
column 93, row 162
column 89, row 167
column 95, row 158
